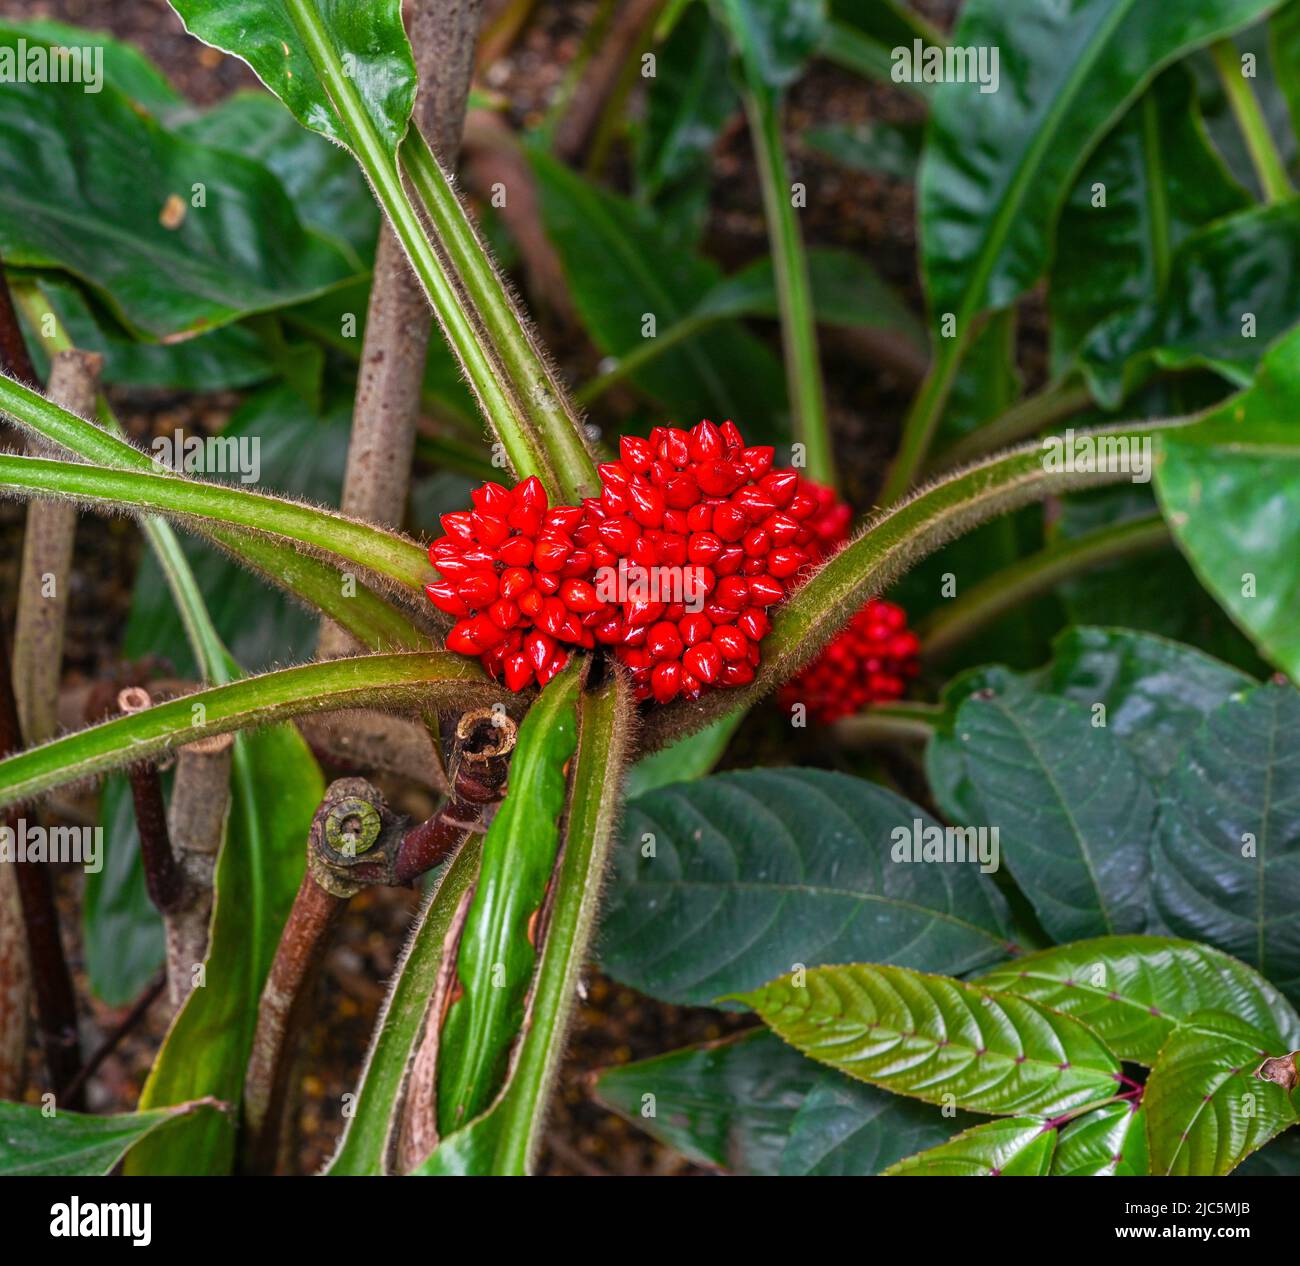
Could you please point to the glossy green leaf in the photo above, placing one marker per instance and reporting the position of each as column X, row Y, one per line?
column 1233, row 288
column 688, row 100
column 773, row 38
column 862, row 38
column 72, row 1144
column 1019, row 1146
column 1133, row 991
column 999, row 164
column 1227, row 848
column 622, row 267
column 752, row 1105
column 368, row 38
column 324, row 183
column 302, row 455
column 938, row 1039
column 222, row 359
column 1074, row 814
column 1230, row 490
column 497, row 957
column 121, row 929
column 1107, row 1142
column 1206, row 1111
column 1155, row 692
column 125, row 67
column 407, row 681
column 243, row 250
column 1161, row 181
column 276, row 786
column 724, row 883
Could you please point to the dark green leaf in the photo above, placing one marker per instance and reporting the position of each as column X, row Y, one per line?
column 369, row 39
column 862, row 38
column 753, row 873
column 773, row 38
column 683, row 761
column 1020, row 1146
column 622, row 268
column 1227, row 848
column 999, row 164
column 71, row 1144
column 1110, row 1141
column 1233, row 288
column 243, row 250
column 1161, row 180
column 1280, row 1158
column 325, row 184
column 1074, row 813
column 1132, row 991
column 1206, row 1111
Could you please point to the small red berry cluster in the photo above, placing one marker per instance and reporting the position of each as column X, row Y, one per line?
column 694, row 537
column 871, row 661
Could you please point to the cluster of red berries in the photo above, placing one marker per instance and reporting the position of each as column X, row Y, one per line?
column 674, row 566
column 871, row 661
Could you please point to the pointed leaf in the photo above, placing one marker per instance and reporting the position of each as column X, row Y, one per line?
column 1227, row 850
column 1074, row 814
column 1108, row 1141
column 1020, row 1146
column 939, row 1040
column 1206, row 1111
column 754, row 872
column 1132, row 991
column 369, row 39
column 72, row 1144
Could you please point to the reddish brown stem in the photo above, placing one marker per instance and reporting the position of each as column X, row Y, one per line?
column 162, row 876
column 56, row 1002
column 139, row 1009
column 14, row 357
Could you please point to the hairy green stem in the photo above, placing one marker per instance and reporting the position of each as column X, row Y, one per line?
column 1023, row 419
column 923, row 416
column 889, row 722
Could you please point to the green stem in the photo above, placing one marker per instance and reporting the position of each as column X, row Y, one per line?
column 486, row 376
column 923, row 417
column 793, row 287
column 595, row 787
column 543, row 398
column 1025, row 418
column 367, row 616
column 405, row 681
column 1250, row 119
column 386, row 555
column 980, row 605
column 888, row 722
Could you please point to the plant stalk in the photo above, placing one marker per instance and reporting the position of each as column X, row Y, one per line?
column 888, row 723
column 1022, row 420
column 1267, row 162
column 763, row 108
